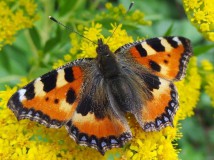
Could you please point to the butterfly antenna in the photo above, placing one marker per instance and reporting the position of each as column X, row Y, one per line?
column 69, row 28
column 130, row 6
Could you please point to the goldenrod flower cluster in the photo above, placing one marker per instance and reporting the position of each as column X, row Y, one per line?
column 209, row 79
column 15, row 15
column 119, row 13
column 201, row 14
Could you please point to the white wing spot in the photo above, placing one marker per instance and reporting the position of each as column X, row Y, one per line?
column 21, row 94
column 176, row 40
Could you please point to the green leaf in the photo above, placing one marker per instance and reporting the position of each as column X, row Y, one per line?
column 169, row 31
column 35, row 37
column 192, row 131
column 211, row 136
column 50, row 44
column 68, row 6
column 203, row 49
column 37, row 72
column 13, row 58
column 59, row 33
column 4, row 60
column 189, row 152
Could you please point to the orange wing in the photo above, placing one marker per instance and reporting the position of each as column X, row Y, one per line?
column 97, row 124
column 158, row 111
column 166, row 57
column 99, row 133
column 158, row 62
column 50, row 99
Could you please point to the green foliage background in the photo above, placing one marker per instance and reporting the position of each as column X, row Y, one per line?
column 36, row 49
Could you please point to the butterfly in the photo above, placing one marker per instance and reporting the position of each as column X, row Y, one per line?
column 91, row 96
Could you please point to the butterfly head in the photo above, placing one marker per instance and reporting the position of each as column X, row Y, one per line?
column 102, row 49
column 106, row 60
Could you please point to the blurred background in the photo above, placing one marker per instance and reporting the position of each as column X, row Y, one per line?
column 32, row 44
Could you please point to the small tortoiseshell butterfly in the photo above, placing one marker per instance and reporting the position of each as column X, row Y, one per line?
column 91, row 96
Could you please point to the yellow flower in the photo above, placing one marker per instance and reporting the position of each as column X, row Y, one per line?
column 207, row 66
column 108, row 5
column 118, row 39
column 67, row 57
column 74, row 43
column 5, row 95
column 191, row 84
column 93, row 33
column 209, row 88
column 58, row 64
column 29, row 6
column 209, row 79
column 201, row 14
column 15, row 16
column 118, row 13
column 210, row 36
column 204, row 27
column 88, row 48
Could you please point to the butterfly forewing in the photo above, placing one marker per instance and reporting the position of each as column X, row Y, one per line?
column 166, row 57
column 50, row 99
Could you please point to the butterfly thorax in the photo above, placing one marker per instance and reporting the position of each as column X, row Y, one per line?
column 106, row 61
column 119, row 91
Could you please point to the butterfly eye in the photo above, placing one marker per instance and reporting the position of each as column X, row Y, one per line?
column 98, row 50
column 106, row 47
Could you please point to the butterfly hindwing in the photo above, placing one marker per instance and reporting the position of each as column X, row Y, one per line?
column 158, row 111
column 99, row 133
column 166, row 57
column 52, row 98
column 95, row 122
